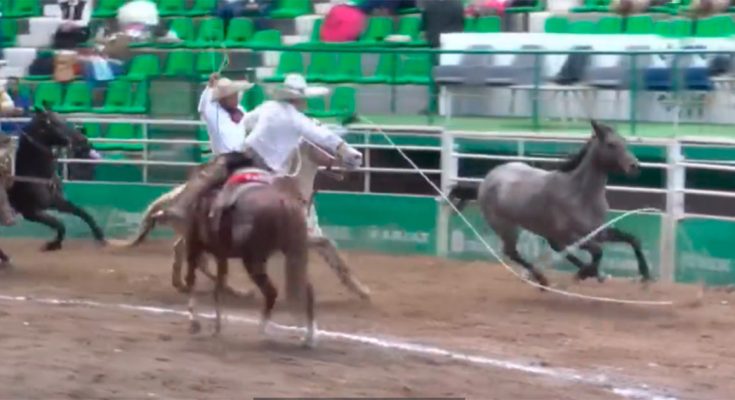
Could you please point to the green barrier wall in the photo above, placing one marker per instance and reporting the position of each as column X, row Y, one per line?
column 407, row 225
column 704, row 251
column 618, row 259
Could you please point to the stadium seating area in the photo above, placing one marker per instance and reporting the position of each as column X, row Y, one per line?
column 361, row 74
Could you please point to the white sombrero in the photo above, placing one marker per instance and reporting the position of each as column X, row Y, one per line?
column 226, row 87
column 295, row 87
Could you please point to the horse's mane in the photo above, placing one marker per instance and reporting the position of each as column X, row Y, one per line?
column 573, row 161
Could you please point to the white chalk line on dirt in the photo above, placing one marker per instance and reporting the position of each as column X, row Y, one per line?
column 639, row 392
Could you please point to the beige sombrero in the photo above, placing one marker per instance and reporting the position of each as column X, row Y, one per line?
column 226, row 87
column 294, row 87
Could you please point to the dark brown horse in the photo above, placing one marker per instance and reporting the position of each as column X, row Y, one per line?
column 264, row 215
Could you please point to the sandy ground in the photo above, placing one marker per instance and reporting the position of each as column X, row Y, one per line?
column 76, row 352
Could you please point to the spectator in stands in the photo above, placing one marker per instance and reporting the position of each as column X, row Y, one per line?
column 259, row 9
column 13, row 103
column 441, row 16
column 72, row 9
column 387, row 7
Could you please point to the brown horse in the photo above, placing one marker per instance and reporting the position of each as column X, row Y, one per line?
column 264, row 215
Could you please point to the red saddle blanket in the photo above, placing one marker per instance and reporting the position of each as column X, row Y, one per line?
column 242, row 178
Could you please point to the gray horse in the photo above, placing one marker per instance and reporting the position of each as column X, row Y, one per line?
column 562, row 206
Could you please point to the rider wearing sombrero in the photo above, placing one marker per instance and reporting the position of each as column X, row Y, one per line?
column 276, row 128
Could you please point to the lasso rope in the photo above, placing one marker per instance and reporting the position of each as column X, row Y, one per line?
column 492, row 251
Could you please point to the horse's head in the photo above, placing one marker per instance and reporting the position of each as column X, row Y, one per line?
column 80, row 145
column 48, row 128
column 610, row 152
column 345, row 156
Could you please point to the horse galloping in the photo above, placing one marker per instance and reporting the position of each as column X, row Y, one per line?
column 562, row 206
column 36, row 186
column 263, row 215
column 305, row 166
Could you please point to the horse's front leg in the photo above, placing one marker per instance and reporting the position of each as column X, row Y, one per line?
column 65, row 206
column 53, row 223
column 179, row 249
column 193, row 254
column 593, row 270
column 617, row 236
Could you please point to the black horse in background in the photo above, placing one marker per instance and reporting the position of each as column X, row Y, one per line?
column 36, row 186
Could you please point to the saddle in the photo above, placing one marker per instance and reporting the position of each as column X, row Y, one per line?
column 240, row 181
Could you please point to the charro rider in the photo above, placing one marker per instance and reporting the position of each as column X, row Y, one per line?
column 276, row 128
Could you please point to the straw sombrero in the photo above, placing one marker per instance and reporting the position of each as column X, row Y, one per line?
column 226, row 87
column 295, row 87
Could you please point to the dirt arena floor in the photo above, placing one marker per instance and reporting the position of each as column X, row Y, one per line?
column 80, row 352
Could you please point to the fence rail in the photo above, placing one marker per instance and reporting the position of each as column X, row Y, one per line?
column 449, row 155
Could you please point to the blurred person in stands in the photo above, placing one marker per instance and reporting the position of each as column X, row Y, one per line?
column 72, row 9
column 13, row 103
column 385, row 7
column 258, row 9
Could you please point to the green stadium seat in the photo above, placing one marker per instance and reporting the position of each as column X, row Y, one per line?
column 117, row 98
column 8, row 32
column 640, row 24
column 415, row 70
column 341, row 104
column 582, row 27
column 556, row 24
column 93, row 129
column 184, row 28
column 715, row 26
column 291, row 8
column 320, row 65
column 211, row 34
column 264, row 38
column 610, row 25
column 314, row 38
column 202, row 8
column 239, row 32
column 139, row 104
column 489, row 24
column 47, row 92
column 290, row 62
column 593, row 6
column 124, row 132
column 179, row 63
column 143, row 67
column 171, row 8
column 378, row 28
column 385, row 71
column 21, row 8
column 348, row 69
column 107, row 8
column 208, row 62
column 681, row 27
column 255, row 97
column 469, row 24
column 410, row 25
column 78, row 98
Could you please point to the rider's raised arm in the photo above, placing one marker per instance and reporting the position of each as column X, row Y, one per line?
column 205, row 102
column 318, row 134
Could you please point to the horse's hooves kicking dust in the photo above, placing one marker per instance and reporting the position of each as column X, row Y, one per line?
column 51, row 246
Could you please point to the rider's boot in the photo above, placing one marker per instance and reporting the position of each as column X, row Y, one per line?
column 209, row 177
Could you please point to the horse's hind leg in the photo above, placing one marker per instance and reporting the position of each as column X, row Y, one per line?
column 257, row 273
column 218, row 287
column 192, row 257
column 616, row 235
column 299, row 291
column 510, row 243
column 570, row 257
column 53, row 223
column 328, row 251
column 179, row 248
column 68, row 207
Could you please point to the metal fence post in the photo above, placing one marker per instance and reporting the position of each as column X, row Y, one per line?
column 144, row 129
column 675, row 182
column 449, row 170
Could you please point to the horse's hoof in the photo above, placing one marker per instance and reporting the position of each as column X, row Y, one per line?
column 264, row 328
column 195, row 327
column 308, row 342
column 101, row 243
column 51, row 246
column 602, row 278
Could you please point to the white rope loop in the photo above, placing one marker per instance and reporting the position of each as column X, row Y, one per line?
column 492, row 251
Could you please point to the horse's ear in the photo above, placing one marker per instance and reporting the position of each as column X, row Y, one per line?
column 599, row 129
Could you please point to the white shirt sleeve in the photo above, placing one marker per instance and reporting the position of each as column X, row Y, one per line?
column 317, row 133
column 205, row 100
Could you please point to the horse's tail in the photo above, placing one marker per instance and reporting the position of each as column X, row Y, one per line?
column 148, row 222
column 461, row 194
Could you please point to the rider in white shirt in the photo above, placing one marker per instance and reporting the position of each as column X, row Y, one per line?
column 277, row 128
column 225, row 132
